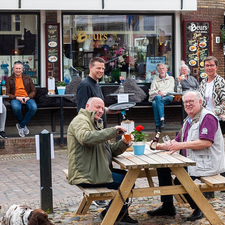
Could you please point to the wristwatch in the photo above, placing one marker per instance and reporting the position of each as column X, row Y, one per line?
column 128, row 145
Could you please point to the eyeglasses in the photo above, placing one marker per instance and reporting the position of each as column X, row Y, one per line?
column 212, row 65
column 190, row 102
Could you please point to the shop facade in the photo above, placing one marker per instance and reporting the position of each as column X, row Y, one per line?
column 57, row 39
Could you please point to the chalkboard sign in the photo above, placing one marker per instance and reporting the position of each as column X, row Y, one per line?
column 52, row 51
column 197, row 46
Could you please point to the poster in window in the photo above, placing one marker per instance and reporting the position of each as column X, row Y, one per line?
column 152, row 63
column 197, row 45
column 52, row 51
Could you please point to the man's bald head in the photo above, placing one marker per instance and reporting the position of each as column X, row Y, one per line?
column 97, row 105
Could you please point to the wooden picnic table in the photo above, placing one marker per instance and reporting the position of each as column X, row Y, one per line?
column 157, row 159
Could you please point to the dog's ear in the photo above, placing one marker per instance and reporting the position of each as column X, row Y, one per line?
column 33, row 219
column 39, row 217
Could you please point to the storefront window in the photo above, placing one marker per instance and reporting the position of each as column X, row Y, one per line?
column 131, row 45
column 19, row 42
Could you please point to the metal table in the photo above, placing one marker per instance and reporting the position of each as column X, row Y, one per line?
column 61, row 113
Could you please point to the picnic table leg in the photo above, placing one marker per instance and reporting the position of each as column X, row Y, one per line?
column 84, row 206
column 196, row 195
column 117, row 203
column 149, row 177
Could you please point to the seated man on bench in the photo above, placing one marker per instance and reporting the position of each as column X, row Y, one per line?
column 201, row 140
column 90, row 153
column 158, row 95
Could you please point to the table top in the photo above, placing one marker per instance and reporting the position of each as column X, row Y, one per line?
column 57, row 95
column 115, row 94
column 152, row 159
column 174, row 93
column 4, row 96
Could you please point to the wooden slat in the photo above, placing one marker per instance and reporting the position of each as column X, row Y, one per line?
column 174, row 160
column 214, row 181
column 150, row 161
column 154, row 155
column 140, row 163
column 187, row 161
column 124, row 163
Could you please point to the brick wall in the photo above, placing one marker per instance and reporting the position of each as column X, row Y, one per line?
column 211, row 11
column 51, row 16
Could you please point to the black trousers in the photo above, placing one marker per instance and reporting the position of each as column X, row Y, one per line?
column 165, row 179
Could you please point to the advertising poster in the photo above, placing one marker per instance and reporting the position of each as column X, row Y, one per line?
column 197, row 46
column 152, row 63
column 52, row 51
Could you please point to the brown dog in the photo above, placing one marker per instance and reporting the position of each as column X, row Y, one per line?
column 24, row 215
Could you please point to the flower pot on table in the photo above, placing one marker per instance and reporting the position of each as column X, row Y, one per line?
column 138, row 148
column 61, row 90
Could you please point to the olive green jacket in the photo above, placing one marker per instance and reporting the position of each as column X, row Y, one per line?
column 87, row 154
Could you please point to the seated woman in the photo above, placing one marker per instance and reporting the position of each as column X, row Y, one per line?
column 185, row 79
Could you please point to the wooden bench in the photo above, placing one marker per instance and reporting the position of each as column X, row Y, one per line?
column 215, row 181
column 91, row 194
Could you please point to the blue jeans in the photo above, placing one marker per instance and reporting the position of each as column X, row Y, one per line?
column 158, row 107
column 118, row 176
column 16, row 107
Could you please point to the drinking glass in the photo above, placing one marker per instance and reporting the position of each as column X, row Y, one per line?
column 166, row 140
column 127, row 136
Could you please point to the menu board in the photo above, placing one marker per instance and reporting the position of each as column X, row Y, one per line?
column 52, row 52
column 197, row 46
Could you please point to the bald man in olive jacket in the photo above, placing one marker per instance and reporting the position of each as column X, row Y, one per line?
column 90, row 152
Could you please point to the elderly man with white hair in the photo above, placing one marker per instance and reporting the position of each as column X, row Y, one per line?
column 201, row 140
column 158, row 95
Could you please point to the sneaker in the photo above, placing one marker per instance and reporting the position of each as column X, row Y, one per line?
column 2, row 134
column 100, row 203
column 25, row 130
column 163, row 124
column 20, row 130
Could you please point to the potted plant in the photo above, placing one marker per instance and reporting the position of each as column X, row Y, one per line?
column 139, row 140
column 222, row 32
column 61, row 87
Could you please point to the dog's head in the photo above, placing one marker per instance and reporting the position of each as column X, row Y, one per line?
column 39, row 217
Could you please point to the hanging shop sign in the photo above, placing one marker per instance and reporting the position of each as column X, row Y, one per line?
column 197, row 46
column 52, row 51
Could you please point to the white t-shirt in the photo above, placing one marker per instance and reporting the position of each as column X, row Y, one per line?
column 208, row 96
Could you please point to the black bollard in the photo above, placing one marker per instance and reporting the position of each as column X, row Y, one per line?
column 45, row 172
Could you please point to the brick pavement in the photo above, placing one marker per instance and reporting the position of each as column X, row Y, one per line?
column 20, row 181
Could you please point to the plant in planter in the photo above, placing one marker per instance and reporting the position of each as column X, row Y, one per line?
column 61, row 87
column 139, row 140
column 222, row 32
column 60, row 84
